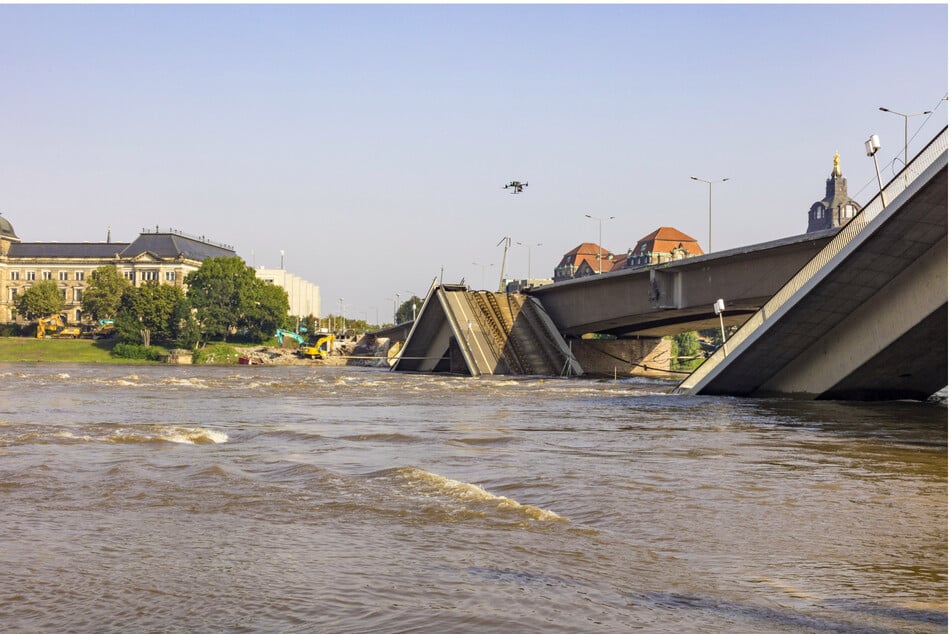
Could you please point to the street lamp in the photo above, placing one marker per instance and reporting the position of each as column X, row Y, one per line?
column 710, row 209
column 902, row 114
column 529, row 247
column 600, row 247
column 397, row 304
column 483, row 271
column 872, row 146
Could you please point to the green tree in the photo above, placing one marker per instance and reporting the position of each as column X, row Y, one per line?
column 687, row 344
column 104, row 292
column 40, row 300
column 263, row 308
column 152, row 311
column 406, row 311
column 228, row 297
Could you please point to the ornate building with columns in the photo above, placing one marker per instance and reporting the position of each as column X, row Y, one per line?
column 162, row 256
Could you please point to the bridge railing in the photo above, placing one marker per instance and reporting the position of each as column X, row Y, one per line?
column 901, row 181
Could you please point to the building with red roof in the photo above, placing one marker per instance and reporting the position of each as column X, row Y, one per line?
column 585, row 259
column 666, row 244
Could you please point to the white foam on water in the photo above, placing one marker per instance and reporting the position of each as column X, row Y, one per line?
column 471, row 492
column 192, row 435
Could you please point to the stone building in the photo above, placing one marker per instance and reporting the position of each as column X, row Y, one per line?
column 836, row 208
column 666, row 244
column 585, row 259
column 162, row 256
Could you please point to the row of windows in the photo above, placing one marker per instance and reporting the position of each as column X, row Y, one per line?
column 77, row 294
column 78, row 315
column 80, row 276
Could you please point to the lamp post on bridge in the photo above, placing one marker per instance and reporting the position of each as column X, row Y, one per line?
column 709, row 208
column 906, row 116
column 872, row 146
column 529, row 247
column 600, row 246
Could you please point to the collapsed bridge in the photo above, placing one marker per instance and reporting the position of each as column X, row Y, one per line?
column 481, row 332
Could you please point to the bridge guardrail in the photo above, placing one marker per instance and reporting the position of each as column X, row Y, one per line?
column 898, row 184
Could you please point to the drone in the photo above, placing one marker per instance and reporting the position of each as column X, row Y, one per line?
column 516, row 187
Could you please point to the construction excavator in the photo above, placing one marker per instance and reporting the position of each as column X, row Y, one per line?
column 55, row 327
column 321, row 348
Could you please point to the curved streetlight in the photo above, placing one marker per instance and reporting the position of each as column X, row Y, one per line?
column 600, row 246
column 710, row 208
column 906, row 116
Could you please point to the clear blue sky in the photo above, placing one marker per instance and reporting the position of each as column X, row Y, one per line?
column 371, row 143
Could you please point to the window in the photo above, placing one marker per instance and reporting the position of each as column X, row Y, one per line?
column 80, row 276
column 47, row 275
column 129, row 275
column 77, row 294
column 31, row 276
column 149, row 276
column 818, row 213
column 14, row 275
column 169, row 276
column 62, row 292
column 63, row 276
column 13, row 294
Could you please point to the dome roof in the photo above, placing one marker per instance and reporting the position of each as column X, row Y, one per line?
column 6, row 229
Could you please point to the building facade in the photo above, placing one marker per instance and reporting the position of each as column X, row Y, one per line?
column 666, row 244
column 836, row 208
column 155, row 256
column 303, row 297
column 585, row 259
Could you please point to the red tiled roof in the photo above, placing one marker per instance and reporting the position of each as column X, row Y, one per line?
column 587, row 252
column 666, row 239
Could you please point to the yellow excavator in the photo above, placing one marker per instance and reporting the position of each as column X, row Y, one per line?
column 56, row 327
column 320, row 348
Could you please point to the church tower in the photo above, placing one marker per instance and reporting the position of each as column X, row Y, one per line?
column 836, row 208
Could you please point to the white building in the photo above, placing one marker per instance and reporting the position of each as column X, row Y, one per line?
column 303, row 296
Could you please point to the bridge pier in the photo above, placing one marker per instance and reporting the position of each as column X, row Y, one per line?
column 643, row 356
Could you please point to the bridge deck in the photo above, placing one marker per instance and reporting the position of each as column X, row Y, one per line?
column 867, row 317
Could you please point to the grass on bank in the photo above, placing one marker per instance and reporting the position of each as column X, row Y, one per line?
column 32, row 350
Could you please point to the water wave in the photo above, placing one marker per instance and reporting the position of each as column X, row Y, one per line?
column 466, row 492
column 137, row 434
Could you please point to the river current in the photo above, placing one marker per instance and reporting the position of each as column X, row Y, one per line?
column 313, row 499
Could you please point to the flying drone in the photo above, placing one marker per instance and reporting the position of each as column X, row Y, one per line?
column 515, row 186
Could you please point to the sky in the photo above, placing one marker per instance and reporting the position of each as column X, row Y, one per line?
column 371, row 143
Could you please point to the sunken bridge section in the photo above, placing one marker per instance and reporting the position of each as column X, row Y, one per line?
column 481, row 332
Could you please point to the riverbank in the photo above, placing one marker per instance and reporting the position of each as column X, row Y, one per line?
column 32, row 350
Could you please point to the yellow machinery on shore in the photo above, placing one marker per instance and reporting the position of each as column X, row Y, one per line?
column 56, row 327
column 320, row 348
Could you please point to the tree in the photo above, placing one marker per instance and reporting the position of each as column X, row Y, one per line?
column 264, row 309
column 150, row 311
column 40, row 300
column 228, row 298
column 408, row 309
column 102, row 296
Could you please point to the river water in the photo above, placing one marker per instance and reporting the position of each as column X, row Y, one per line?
column 310, row 499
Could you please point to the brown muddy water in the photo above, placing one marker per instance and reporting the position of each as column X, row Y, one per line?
column 301, row 499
